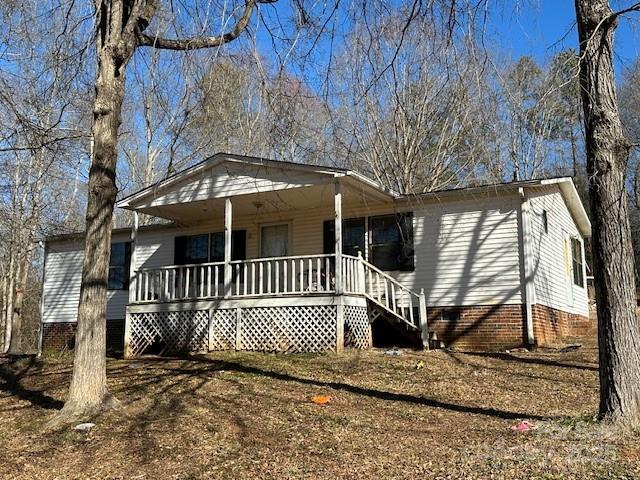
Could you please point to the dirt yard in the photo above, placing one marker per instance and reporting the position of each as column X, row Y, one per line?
column 240, row 415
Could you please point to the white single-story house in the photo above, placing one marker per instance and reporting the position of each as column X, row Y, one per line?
column 260, row 254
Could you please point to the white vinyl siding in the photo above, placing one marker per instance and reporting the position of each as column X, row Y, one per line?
column 154, row 249
column 552, row 274
column 466, row 251
column 61, row 290
column 62, row 277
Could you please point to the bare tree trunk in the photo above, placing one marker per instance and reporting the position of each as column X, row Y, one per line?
column 14, row 315
column 607, row 157
column 17, row 345
column 574, row 154
column 88, row 391
column 10, row 288
column 3, row 301
column 119, row 32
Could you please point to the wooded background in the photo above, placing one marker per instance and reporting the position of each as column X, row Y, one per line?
column 413, row 95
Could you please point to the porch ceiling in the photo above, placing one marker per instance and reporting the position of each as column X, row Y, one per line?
column 354, row 195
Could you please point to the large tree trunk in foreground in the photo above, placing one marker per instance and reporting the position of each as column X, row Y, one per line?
column 119, row 31
column 607, row 156
column 88, row 391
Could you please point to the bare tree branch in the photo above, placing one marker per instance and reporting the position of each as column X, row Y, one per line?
column 196, row 43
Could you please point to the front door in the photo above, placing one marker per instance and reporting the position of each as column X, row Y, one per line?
column 274, row 240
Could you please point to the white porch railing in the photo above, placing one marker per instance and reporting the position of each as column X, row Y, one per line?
column 283, row 275
column 352, row 274
column 257, row 277
column 276, row 276
column 179, row 282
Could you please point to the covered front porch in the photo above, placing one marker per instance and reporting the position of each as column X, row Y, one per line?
column 286, row 304
column 258, row 291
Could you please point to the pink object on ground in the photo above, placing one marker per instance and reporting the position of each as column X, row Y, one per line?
column 522, row 426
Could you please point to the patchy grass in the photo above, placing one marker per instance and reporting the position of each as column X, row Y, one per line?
column 242, row 415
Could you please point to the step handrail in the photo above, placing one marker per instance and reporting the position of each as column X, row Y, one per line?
column 403, row 310
column 371, row 266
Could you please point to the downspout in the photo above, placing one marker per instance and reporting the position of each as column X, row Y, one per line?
column 526, row 264
column 42, row 245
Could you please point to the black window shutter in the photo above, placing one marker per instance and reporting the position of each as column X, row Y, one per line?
column 328, row 237
column 406, row 260
column 179, row 249
column 127, row 262
column 239, row 245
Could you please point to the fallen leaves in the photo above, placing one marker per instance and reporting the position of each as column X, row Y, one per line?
column 354, row 415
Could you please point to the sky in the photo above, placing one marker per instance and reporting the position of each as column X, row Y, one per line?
column 538, row 28
column 541, row 28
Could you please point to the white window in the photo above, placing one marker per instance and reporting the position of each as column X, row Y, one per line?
column 577, row 262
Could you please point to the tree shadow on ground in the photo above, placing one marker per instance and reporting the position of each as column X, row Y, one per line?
column 459, row 358
column 532, row 360
column 201, row 367
column 211, row 365
column 11, row 376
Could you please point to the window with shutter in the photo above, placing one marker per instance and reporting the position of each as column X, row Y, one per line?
column 119, row 263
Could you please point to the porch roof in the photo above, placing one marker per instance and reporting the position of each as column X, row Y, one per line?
column 254, row 184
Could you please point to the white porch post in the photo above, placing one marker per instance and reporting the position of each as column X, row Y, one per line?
column 340, row 325
column 338, row 235
column 361, row 274
column 132, row 259
column 424, row 322
column 228, row 213
column 133, row 285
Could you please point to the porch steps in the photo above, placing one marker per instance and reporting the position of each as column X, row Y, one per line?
column 378, row 310
column 390, row 298
column 391, row 331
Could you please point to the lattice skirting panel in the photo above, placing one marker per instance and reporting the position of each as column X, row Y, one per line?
column 310, row 328
column 168, row 332
column 357, row 328
column 223, row 329
column 276, row 328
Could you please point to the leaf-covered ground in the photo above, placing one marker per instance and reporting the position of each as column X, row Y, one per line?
column 242, row 415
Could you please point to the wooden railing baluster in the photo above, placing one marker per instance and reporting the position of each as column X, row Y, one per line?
column 284, row 276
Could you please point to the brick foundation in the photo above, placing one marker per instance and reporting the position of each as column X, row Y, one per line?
column 501, row 327
column 61, row 336
column 481, row 327
column 58, row 336
column 550, row 325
